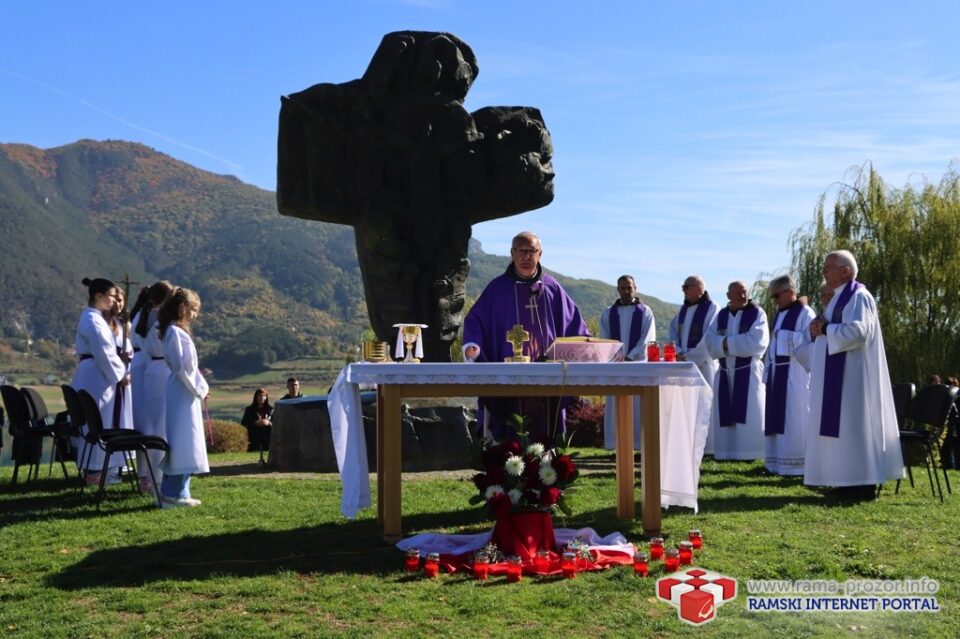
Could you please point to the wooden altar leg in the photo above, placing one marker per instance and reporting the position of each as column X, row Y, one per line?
column 626, row 498
column 380, row 425
column 389, row 481
column 650, row 462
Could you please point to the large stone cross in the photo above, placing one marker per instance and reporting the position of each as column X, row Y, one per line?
column 396, row 156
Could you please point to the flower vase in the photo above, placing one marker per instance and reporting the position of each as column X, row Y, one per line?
column 524, row 533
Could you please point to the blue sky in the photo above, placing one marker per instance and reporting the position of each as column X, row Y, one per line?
column 689, row 137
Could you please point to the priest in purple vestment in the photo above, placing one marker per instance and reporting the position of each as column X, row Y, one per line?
column 523, row 295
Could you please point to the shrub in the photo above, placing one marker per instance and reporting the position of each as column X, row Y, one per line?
column 228, row 437
column 585, row 423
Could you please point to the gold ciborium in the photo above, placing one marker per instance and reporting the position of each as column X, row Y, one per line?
column 410, row 339
column 374, row 351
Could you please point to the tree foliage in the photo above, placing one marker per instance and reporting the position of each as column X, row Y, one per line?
column 908, row 251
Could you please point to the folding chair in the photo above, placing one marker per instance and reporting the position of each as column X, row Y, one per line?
column 27, row 445
column 58, row 428
column 925, row 423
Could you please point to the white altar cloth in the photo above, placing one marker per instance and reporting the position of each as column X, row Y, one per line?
column 685, row 405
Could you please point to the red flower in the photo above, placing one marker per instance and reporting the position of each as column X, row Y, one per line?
column 513, row 447
column 500, row 504
column 565, row 467
column 549, row 496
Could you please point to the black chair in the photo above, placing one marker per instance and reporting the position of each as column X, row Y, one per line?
column 903, row 395
column 56, row 427
column 126, row 441
column 925, row 423
column 27, row 445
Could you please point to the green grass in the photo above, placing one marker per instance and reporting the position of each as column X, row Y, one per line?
column 270, row 555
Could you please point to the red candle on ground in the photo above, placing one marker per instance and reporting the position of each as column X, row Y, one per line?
column 653, row 352
column 686, row 553
column 640, row 564
column 541, row 563
column 696, row 538
column 412, row 562
column 569, row 565
column 669, row 352
column 656, row 548
column 671, row 560
column 431, row 567
column 481, row 567
column 514, row 570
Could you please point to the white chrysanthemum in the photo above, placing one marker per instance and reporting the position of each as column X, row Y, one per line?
column 536, row 449
column 514, row 465
column 548, row 475
column 515, row 495
column 496, row 489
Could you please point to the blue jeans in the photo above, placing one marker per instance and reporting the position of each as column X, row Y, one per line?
column 175, row 486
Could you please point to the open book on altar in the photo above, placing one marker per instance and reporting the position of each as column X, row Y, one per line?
column 585, row 349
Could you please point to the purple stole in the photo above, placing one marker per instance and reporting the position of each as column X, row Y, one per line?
column 833, row 371
column 695, row 334
column 735, row 412
column 636, row 324
column 776, row 407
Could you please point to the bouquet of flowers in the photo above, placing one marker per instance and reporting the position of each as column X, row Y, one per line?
column 523, row 476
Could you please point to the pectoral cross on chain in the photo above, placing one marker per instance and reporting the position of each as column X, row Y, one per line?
column 532, row 305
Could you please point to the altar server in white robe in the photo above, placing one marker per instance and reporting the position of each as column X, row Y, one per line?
column 853, row 439
column 687, row 329
column 738, row 338
column 149, row 381
column 185, row 392
column 100, row 369
column 630, row 321
column 787, row 381
column 139, row 362
column 123, row 404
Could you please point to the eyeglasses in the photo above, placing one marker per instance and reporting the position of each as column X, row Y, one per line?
column 777, row 295
column 526, row 252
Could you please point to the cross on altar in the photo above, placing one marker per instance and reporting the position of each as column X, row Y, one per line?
column 517, row 336
column 532, row 305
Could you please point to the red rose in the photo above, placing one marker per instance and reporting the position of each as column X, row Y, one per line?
column 549, row 496
column 500, row 504
column 497, row 475
column 565, row 467
column 513, row 447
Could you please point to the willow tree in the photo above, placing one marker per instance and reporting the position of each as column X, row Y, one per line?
column 907, row 245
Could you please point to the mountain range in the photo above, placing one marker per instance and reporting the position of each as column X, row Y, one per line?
column 116, row 209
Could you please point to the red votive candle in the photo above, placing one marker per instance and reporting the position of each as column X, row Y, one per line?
column 640, row 564
column 671, row 560
column 696, row 538
column 481, row 566
column 653, row 352
column 431, row 567
column 514, row 569
column 686, row 553
column 569, row 565
column 669, row 352
column 412, row 561
column 541, row 563
column 656, row 548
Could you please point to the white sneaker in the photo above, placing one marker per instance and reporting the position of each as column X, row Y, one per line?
column 171, row 502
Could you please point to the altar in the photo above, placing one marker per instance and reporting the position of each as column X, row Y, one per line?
column 676, row 403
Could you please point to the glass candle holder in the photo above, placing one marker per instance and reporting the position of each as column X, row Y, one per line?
column 514, row 569
column 640, row 564
column 568, row 565
column 671, row 560
column 686, row 553
column 541, row 563
column 431, row 567
column 656, row 548
column 696, row 538
column 412, row 561
column 481, row 566
column 653, row 352
column 669, row 352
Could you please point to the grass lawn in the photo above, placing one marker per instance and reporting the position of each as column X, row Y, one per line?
column 270, row 555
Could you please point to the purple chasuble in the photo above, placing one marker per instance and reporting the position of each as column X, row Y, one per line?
column 695, row 334
column 833, row 370
column 546, row 312
column 733, row 410
column 636, row 323
column 777, row 375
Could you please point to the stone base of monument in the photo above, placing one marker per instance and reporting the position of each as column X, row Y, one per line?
column 432, row 437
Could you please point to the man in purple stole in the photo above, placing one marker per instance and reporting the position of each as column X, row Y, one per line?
column 788, row 381
column 738, row 337
column 523, row 295
column 687, row 329
column 853, row 441
column 630, row 321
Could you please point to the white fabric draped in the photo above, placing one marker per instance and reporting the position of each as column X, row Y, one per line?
column 648, row 333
